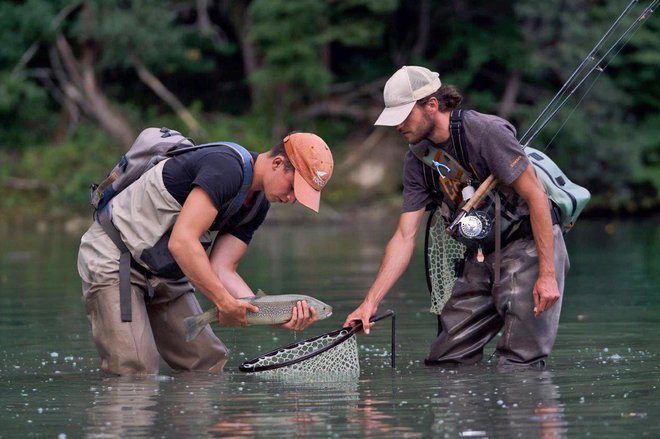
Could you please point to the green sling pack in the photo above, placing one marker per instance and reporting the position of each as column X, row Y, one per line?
column 568, row 197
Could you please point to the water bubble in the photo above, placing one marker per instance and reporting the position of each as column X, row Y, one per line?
column 61, row 436
column 54, row 355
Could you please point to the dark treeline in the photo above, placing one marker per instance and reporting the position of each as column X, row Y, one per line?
column 80, row 78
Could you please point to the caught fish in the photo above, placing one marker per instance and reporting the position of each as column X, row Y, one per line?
column 273, row 310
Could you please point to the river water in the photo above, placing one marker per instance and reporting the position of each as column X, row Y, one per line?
column 601, row 380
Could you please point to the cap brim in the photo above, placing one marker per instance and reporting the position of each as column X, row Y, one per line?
column 392, row 116
column 305, row 194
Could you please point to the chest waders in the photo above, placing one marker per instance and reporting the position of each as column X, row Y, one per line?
column 452, row 181
column 161, row 253
column 458, row 185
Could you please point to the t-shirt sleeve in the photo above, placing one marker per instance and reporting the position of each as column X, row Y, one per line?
column 502, row 152
column 415, row 194
column 245, row 232
column 220, row 178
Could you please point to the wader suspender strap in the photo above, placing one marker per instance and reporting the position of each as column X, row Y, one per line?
column 457, row 133
column 104, row 217
column 498, row 238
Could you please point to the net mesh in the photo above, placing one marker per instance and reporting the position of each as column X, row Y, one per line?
column 442, row 254
column 338, row 361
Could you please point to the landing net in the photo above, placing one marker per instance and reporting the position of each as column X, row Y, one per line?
column 327, row 357
column 442, row 255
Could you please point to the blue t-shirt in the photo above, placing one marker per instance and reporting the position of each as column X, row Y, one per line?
column 219, row 172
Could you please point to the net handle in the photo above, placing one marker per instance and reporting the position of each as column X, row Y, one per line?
column 245, row 366
column 373, row 319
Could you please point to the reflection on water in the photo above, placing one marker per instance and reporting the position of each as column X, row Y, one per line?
column 602, row 378
column 123, row 407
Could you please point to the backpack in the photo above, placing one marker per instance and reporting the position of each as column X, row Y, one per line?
column 568, row 197
column 152, row 146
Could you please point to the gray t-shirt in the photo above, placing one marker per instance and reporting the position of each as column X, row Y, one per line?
column 492, row 149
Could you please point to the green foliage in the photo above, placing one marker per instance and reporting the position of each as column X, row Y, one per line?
column 21, row 25
column 294, row 38
column 291, row 36
column 25, row 116
column 147, row 29
column 310, row 52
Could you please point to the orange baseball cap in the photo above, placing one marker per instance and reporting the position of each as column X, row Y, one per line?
column 312, row 160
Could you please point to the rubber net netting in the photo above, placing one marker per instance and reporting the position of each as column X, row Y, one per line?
column 443, row 253
column 340, row 361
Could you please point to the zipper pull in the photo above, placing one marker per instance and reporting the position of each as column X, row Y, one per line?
column 480, row 255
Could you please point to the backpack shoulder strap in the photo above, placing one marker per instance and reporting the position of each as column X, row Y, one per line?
column 247, row 162
column 457, row 133
column 248, row 173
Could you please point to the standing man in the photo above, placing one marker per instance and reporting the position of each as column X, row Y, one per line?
column 532, row 262
column 167, row 214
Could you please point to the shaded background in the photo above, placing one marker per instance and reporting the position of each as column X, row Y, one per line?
column 79, row 79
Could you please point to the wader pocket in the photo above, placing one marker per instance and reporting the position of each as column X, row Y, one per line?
column 161, row 262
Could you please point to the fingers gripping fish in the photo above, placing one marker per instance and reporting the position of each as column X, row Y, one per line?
column 273, row 310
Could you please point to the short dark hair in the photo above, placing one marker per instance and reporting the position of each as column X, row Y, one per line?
column 447, row 96
column 280, row 150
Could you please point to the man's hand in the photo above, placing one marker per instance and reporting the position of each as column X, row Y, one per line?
column 362, row 314
column 546, row 294
column 302, row 316
column 234, row 313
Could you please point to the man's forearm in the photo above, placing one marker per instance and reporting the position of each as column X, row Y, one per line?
column 195, row 264
column 395, row 261
column 543, row 236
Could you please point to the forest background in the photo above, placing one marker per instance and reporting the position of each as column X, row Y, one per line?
column 80, row 79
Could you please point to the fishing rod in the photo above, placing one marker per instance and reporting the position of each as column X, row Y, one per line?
column 564, row 94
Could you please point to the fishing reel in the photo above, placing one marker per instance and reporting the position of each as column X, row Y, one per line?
column 475, row 225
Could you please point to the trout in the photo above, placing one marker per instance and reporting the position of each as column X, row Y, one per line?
column 273, row 310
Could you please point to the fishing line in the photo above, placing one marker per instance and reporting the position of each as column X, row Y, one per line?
column 581, row 66
column 601, row 70
column 602, row 63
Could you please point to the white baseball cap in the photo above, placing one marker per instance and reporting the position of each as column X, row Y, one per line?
column 406, row 86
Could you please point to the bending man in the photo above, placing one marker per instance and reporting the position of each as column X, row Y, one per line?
column 532, row 261
column 176, row 205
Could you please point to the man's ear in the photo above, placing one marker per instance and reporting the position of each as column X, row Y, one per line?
column 278, row 161
column 433, row 104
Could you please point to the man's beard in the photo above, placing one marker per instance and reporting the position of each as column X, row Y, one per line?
column 426, row 133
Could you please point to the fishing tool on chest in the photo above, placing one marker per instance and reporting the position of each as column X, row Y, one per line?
column 327, row 357
column 443, row 253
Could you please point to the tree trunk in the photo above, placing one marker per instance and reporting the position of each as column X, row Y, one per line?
column 79, row 84
column 240, row 18
column 508, row 102
column 151, row 81
column 207, row 27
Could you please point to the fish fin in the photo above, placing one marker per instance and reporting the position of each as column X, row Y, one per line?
column 194, row 324
column 261, row 293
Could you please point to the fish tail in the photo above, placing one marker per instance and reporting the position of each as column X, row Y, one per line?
column 194, row 324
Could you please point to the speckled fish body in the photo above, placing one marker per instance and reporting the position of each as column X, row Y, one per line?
column 273, row 310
